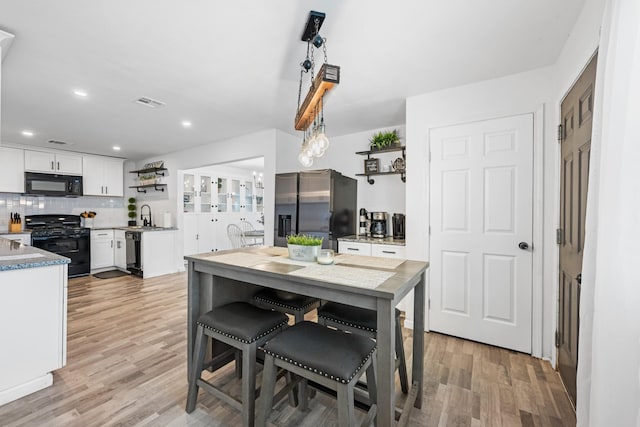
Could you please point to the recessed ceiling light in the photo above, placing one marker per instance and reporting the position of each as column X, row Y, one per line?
column 81, row 93
column 186, row 123
column 27, row 133
column 116, row 148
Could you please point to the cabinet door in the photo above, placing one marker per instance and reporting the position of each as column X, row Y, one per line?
column 92, row 178
column 247, row 196
column 39, row 161
column 222, row 241
column 204, row 194
column 24, row 238
column 190, row 234
column 234, row 195
column 388, row 251
column 113, row 178
column 102, row 249
column 354, row 248
column 120, row 252
column 206, row 232
column 223, row 194
column 188, row 196
column 11, row 170
column 70, row 164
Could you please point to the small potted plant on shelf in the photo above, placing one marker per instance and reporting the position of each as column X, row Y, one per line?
column 132, row 211
column 386, row 139
column 303, row 247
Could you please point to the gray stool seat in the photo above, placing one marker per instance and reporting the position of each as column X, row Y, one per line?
column 338, row 356
column 348, row 315
column 242, row 321
column 286, row 302
column 243, row 327
column 364, row 322
column 326, row 356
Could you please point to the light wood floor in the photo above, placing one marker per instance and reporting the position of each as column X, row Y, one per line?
column 126, row 366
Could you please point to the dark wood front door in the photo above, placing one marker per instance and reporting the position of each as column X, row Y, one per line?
column 576, row 112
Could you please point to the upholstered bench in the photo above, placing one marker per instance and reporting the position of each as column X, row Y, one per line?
column 286, row 302
column 244, row 327
column 331, row 358
column 364, row 322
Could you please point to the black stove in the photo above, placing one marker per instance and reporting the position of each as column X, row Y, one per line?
column 62, row 235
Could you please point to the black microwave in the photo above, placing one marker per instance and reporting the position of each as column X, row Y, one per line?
column 44, row 184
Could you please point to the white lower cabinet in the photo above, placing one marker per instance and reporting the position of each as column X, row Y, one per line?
column 120, row 250
column 102, row 249
column 354, row 248
column 33, row 327
column 388, row 251
column 372, row 249
column 207, row 232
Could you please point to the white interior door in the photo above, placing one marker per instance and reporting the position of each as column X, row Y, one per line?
column 481, row 213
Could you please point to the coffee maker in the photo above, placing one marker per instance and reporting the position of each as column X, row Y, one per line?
column 379, row 224
column 398, row 221
column 365, row 223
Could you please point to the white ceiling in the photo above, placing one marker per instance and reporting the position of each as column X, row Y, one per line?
column 232, row 68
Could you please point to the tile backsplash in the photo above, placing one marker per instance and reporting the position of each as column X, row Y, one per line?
column 109, row 211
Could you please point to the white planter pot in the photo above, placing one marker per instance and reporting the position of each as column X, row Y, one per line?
column 303, row 253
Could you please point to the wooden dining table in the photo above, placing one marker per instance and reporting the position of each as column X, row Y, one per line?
column 374, row 283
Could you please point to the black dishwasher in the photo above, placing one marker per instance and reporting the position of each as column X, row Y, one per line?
column 134, row 252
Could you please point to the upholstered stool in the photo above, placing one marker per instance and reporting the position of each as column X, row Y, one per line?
column 244, row 327
column 331, row 358
column 364, row 322
column 286, row 302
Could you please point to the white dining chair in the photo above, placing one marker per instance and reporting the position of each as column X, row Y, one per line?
column 236, row 236
column 246, row 226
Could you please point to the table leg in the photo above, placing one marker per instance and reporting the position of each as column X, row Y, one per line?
column 417, row 373
column 385, row 372
column 193, row 311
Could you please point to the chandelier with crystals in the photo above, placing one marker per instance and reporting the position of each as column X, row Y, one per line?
column 310, row 115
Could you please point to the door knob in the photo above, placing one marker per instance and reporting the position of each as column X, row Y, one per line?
column 523, row 245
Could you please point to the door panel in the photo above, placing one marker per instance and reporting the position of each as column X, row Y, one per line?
column 576, row 112
column 481, row 209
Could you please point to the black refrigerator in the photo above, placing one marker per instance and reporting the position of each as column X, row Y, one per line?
column 319, row 203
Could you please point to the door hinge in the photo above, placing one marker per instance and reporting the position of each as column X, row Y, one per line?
column 559, row 133
column 557, row 339
column 559, row 236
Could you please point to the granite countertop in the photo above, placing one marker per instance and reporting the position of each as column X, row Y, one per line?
column 368, row 239
column 16, row 256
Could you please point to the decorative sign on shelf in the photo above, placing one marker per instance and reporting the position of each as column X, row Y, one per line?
column 372, row 165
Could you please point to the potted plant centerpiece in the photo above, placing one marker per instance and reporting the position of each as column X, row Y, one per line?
column 386, row 139
column 303, row 247
column 132, row 211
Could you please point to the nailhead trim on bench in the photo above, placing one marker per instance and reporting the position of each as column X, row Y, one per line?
column 228, row 335
column 280, row 304
column 347, row 323
column 312, row 369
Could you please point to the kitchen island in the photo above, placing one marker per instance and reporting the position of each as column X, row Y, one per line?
column 33, row 318
column 374, row 283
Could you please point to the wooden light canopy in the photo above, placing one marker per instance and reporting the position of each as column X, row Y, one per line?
column 327, row 78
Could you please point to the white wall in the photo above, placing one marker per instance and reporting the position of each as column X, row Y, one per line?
column 517, row 94
column 258, row 144
column 521, row 93
column 387, row 194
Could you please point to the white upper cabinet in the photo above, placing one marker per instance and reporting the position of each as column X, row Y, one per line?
column 47, row 162
column 103, row 176
column 11, row 170
column 197, row 196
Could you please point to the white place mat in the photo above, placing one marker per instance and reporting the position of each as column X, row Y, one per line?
column 241, row 259
column 368, row 261
column 350, row 276
column 22, row 256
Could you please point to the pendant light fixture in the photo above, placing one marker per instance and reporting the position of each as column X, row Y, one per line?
column 310, row 115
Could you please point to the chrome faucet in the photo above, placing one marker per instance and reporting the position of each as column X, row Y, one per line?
column 145, row 222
